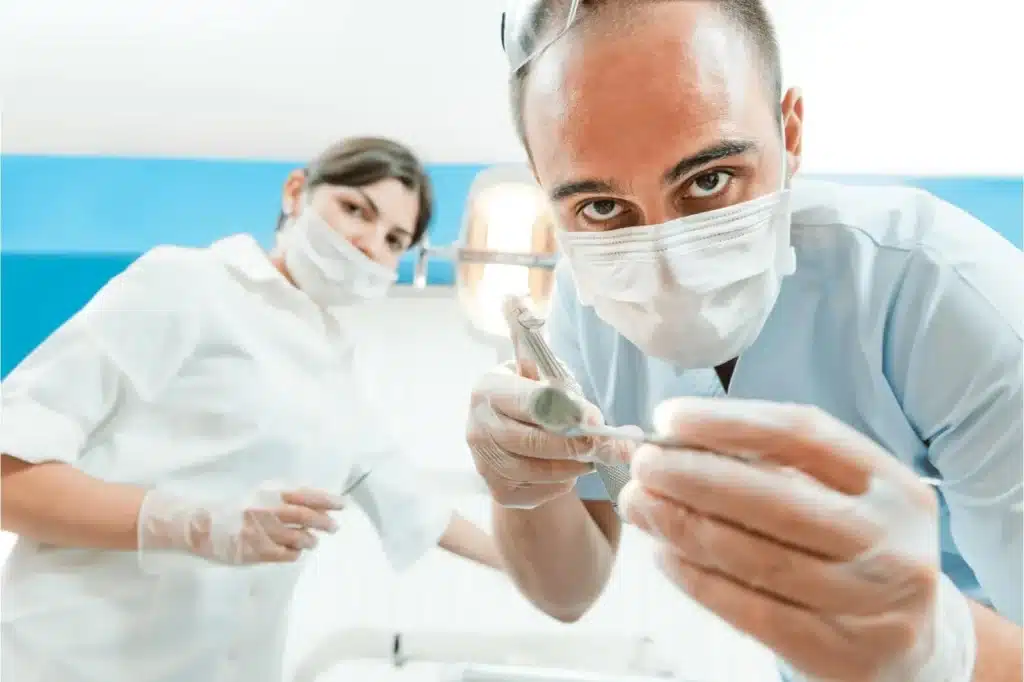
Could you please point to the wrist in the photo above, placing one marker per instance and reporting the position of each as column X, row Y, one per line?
column 165, row 524
column 952, row 646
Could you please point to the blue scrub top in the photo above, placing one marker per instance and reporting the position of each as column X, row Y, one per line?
column 904, row 319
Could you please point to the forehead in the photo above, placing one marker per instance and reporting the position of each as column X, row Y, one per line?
column 649, row 88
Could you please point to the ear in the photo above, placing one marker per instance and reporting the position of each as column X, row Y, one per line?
column 291, row 191
column 793, row 125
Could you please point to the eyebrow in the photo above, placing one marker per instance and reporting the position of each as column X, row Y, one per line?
column 715, row 152
column 376, row 211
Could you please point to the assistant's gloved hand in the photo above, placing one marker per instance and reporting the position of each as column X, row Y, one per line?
column 523, row 465
column 806, row 535
column 266, row 527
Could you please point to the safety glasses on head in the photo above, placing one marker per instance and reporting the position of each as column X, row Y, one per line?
column 528, row 27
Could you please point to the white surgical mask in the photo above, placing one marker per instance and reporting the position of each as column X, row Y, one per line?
column 327, row 267
column 695, row 291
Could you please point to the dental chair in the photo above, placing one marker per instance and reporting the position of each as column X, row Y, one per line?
column 466, row 657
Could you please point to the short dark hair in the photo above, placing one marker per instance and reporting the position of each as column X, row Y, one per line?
column 750, row 17
column 361, row 161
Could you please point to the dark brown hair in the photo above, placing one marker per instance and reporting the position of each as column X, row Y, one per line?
column 361, row 161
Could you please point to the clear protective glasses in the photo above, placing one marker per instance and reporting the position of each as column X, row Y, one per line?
column 528, row 27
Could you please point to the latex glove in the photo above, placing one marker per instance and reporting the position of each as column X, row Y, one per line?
column 523, row 465
column 824, row 547
column 268, row 526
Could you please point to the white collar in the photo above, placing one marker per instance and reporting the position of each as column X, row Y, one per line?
column 243, row 254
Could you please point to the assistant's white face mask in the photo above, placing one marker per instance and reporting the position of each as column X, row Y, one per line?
column 327, row 267
column 695, row 291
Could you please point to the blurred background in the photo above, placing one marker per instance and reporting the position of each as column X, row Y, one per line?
column 124, row 125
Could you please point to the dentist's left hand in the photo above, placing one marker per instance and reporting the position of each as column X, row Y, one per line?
column 824, row 547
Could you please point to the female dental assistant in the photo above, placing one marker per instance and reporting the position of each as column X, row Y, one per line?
column 851, row 338
column 171, row 451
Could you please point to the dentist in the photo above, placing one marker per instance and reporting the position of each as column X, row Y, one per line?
column 848, row 340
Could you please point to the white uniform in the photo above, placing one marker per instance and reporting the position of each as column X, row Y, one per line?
column 202, row 371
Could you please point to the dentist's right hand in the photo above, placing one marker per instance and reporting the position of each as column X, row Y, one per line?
column 523, row 465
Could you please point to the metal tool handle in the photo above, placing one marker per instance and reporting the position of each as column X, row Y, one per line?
column 458, row 254
column 525, row 330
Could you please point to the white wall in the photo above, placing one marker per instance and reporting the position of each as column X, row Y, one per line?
column 891, row 86
column 428, row 363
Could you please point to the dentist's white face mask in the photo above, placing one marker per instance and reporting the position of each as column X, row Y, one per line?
column 327, row 267
column 695, row 291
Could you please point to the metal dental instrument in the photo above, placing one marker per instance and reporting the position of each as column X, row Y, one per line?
column 356, row 484
column 530, row 347
column 555, row 410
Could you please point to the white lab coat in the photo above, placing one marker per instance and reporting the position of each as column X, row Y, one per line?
column 202, row 371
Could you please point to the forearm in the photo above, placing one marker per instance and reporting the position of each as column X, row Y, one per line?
column 1000, row 649
column 467, row 540
column 56, row 504
column 560, row 555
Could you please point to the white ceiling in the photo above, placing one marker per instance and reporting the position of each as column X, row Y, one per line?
column 253, row 78
column 910, row 86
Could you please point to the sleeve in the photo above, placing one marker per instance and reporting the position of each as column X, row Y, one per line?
column 409, row 518
column 954, row 360
column 562, row 334
column 129, row 337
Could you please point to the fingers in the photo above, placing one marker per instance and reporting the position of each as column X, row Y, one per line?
column 281, row 533
column 781, row 503
column 752, row 560
column 314, row 499
column 499, row 412
column 513, row 469
column 305, row 517
column 618, row 452
column 797, row 436
column 523, row 464
column 523, row 482
column 263, row 538
column 799, row 636
column 293, row 539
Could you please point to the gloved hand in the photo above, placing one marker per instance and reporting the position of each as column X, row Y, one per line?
column 268, row 526
column 818, row 542
column 523, row 465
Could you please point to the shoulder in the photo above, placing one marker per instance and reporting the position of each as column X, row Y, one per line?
column 164, row 279
column 907, row 240
column 894, row 217
column 174, row 267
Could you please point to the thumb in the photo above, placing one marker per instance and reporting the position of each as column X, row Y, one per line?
column 527, row 368
column 615, row 452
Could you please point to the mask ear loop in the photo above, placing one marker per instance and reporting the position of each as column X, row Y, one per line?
column 785, row 151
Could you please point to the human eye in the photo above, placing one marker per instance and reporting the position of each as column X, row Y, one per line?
column 708, row 184
column 397, row 243
column 354, row 208
column 601, row 210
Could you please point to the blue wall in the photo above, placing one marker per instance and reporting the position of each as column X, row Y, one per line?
column 70, row 223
